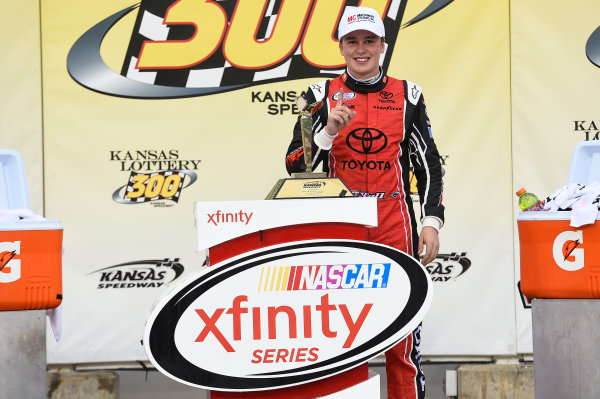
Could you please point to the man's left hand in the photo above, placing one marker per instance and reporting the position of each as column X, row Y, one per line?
column 429, row 238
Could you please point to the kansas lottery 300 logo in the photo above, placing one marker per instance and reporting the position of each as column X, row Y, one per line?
column 189, row 48
column 155, row 175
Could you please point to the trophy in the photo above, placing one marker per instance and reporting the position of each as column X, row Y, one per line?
column 308, row 184
column 306, row 112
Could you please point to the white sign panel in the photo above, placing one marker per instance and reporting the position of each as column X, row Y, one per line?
column 287, row 314
column 217, row 222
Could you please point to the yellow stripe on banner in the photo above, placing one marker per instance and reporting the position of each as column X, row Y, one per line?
column 267, row 278
column 279, row 276
column 260, row 280
column 273, row 278
column 286, row 277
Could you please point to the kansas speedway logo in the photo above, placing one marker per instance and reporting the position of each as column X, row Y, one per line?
column 152, row 273
column 446, row 267
column 190, row 48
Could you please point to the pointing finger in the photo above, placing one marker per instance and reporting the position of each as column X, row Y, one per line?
column 340, row 100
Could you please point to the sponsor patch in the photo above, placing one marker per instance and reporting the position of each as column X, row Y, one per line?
column 347, row 96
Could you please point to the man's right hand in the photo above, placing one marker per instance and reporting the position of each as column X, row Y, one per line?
column 339, row 116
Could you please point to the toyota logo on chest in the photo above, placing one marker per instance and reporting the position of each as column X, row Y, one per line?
column 366, row 140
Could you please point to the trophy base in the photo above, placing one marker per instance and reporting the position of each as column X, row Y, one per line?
column 308, row 175
column 309, row 185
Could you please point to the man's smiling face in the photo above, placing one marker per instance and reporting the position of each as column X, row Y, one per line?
column 361, row 50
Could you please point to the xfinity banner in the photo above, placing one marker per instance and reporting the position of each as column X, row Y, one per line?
column 287, row 314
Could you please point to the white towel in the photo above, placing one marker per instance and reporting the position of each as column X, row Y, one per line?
column 563, row 198
column 14, row 215
column 55, row 316
column 584, row 211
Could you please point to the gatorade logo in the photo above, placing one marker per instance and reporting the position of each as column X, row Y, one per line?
column 568, row 250
column 10, row 268
column 189, row 48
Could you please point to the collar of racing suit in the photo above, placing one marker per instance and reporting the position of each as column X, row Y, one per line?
column 364, row 87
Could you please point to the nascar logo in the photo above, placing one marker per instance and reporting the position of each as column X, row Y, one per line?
column 321, row 277
column 196, row 48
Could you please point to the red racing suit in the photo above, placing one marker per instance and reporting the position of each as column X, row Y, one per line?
column 372, row 156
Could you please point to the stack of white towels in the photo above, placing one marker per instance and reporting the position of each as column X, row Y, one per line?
column 15, row 215
column 581, row 200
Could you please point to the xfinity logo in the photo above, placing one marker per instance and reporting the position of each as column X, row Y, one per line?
column 366, row 140
column 303, row 314
column 347, row 95
column 220, row 217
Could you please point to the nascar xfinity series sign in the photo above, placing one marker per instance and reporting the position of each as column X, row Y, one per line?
column 287, row 314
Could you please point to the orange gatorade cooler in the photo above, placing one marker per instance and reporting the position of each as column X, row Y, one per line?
column 30, row 265
column 30, row 250
column 557, row 260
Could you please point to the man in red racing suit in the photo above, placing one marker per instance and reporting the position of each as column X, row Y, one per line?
column 369, row 130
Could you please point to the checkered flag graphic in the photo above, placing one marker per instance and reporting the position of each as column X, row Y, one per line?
column 137, row 198
column 216, row 71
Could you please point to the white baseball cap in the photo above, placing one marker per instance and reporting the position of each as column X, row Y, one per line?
column 360, row 18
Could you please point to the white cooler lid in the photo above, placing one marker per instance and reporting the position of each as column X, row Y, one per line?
column 31, row 225
column 13, row 184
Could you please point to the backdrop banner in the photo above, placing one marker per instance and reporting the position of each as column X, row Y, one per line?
column 555, row 66
column 151, row 107
column 20, row 82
